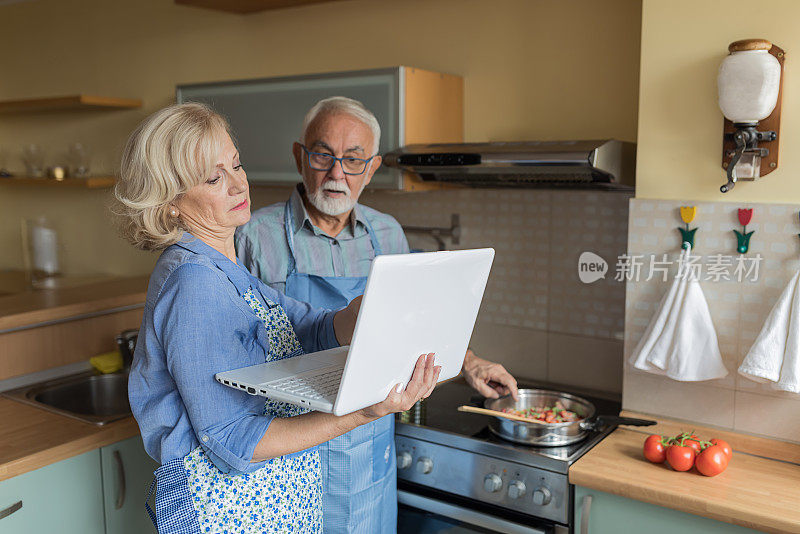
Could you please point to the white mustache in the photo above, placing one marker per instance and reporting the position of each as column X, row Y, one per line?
column 336, row 186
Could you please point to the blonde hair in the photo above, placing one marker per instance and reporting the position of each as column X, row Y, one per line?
column 170, row 152
column 347, row 106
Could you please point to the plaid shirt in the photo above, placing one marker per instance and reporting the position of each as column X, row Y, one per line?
column 261, row 245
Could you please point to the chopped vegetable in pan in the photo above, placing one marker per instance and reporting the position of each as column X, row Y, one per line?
column 547, row 414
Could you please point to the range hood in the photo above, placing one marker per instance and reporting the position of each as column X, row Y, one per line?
column 603, row 164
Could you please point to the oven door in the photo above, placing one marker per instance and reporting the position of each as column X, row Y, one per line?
column 421, row 514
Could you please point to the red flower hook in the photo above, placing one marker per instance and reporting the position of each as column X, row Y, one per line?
column 745, row 216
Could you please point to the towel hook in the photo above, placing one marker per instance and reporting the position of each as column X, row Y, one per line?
column 743, row 237
column 687, row 215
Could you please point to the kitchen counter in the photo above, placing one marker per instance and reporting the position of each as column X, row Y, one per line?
column 84, row 297
column 33, row 438
column 760, row 489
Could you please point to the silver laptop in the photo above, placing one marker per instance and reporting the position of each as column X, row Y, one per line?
column 413, row 304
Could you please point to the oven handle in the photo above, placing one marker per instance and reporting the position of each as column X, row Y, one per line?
column 464, row 515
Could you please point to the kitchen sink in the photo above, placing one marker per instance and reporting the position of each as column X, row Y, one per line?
column 89, row 397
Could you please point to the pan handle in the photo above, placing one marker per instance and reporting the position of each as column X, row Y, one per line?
column 596, row 422
column 630, row 421
column 477, row 400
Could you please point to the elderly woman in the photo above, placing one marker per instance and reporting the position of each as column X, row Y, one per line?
column 230, row 462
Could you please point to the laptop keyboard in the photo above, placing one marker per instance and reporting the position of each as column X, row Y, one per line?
column 315, row 387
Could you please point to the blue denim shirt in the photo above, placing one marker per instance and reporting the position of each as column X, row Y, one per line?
column 197, row 324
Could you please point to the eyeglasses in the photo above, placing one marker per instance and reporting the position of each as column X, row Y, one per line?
column 325, row 162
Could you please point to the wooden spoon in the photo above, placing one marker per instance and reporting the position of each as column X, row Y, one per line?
column 504, row 415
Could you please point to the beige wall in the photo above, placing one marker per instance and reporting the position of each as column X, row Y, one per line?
column 679, row 144
column 680, row 124
column 533, row 69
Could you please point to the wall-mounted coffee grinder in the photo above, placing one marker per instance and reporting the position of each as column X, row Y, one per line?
column 749, row 83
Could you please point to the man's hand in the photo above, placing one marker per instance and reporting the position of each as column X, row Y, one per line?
column 488, row 378
column 344, row 322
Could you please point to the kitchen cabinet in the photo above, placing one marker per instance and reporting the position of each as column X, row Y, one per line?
column 65, row 497
column 266, row 115
column 101, row 491
column 127, row 474
column 609, row 513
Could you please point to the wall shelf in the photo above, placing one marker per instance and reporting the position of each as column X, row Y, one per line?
column 92, row 182
column 243, row 7
column 69, row 102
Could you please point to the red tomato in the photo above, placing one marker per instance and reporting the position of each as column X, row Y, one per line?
column 680, row 458
column 725, row 447
column 694, row 444
column 654, row 449
column 712, row 461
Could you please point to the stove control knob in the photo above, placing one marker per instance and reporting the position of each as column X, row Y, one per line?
column 492, row 483
column 424, row 465
column 516, row 489
column 404, row 460
column 542, row 496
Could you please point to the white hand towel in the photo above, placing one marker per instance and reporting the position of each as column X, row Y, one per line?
column 680, row 341
column 775, row 355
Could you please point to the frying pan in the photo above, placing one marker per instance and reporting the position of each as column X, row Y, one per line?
column 551, row 434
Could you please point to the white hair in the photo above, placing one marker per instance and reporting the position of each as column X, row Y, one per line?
column 349, row 106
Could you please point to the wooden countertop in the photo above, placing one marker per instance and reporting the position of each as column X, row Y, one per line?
column 25, row 308
column 755, row 491
column 33, row 438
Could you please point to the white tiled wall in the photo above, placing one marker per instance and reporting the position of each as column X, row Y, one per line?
column 537, row 318
column 738, row 310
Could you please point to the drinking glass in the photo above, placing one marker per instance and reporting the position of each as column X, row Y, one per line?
column 33, row 158
column 40, row 249
column 78, row 158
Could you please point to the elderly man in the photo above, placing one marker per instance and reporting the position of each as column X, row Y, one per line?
column 317, row 247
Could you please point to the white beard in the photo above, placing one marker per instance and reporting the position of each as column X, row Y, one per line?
column 333, row 206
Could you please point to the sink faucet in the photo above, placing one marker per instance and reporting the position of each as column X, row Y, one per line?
column 126, row 341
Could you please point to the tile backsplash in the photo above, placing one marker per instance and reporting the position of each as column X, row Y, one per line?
column 738, row 310
column 537, row 318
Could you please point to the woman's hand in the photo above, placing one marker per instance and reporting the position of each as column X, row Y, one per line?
column 292, row 434
column 423, row 380
column 344, row 322
column 488, row 378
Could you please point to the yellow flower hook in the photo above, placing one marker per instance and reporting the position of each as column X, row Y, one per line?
column 687, row 215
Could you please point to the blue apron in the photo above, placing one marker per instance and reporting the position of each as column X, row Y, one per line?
column 359, row 471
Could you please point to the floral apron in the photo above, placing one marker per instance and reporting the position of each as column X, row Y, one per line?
column 285, row 495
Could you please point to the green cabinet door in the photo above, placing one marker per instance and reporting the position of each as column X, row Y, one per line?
column 127, row 473
column 65, row 497
column 611, row 514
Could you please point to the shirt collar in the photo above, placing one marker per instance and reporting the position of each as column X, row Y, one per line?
column 300, row 216
column 237, row 274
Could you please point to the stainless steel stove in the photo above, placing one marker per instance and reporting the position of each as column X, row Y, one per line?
column 455, row 476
